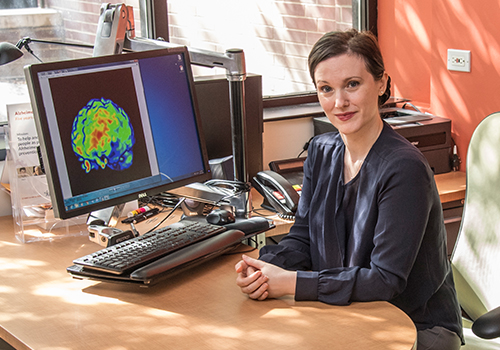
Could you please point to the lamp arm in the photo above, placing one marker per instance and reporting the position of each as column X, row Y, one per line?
column 27, row 40
column 24, row 42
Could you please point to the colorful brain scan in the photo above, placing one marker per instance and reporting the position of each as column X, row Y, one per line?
column 102, row 136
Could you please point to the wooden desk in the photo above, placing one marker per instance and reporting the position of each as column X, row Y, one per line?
column 451, row 186
column 42, row 307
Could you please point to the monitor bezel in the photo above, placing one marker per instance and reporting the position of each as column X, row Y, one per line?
column 47, row 148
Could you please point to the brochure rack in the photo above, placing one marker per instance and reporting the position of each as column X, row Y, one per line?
column 31, row 205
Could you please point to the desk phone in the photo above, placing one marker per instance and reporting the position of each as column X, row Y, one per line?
column 281, row 186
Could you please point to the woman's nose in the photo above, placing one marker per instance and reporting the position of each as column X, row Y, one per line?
column 341, row 100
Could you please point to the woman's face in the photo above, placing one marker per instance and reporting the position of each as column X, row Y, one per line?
column 348, row 93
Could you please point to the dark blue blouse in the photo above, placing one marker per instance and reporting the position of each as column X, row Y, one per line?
column 396, row 250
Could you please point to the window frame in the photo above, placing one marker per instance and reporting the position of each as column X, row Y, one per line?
column 154, row 19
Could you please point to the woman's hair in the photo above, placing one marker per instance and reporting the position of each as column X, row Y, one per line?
column 361, row 43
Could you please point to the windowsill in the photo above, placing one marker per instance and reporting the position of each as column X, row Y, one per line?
column 292, row 106
column 302, row 110
column 29, row 17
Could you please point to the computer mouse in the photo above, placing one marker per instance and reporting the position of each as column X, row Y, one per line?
column 220, row 217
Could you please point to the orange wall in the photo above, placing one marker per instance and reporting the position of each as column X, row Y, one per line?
column 414, row 36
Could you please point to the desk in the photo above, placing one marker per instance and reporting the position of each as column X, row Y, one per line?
column 42, row 307
column 451, row 186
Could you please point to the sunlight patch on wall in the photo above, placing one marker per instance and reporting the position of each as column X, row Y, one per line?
column 417, row 27
column 452, row 93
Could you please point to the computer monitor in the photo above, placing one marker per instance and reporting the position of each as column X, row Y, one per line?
column 117, row 128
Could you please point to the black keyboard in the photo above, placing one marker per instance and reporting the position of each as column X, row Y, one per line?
column 136, row 252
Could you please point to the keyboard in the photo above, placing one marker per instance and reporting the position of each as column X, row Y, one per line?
column 134, row 253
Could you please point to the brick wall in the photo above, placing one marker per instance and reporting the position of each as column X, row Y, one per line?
column 276, row 35
column 34, row 23
column 81, row 17
column 59, row 20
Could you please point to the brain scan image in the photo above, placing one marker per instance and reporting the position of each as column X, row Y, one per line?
column 102, row 136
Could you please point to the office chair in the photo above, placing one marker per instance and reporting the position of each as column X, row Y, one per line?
column 476, row 255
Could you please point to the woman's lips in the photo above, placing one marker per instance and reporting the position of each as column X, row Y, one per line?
column 345, row 116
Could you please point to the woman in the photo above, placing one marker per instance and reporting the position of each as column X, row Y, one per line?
column 369, row 224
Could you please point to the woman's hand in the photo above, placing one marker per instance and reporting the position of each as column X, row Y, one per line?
column 251, row 280
column 261, row 280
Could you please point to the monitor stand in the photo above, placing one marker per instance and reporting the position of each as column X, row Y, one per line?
column 109, row 216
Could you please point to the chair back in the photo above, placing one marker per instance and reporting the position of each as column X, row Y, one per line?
column 476, row 255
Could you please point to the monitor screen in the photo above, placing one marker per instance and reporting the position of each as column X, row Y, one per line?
column 117, row 128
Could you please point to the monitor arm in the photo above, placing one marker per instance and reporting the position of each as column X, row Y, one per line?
column 115, row 32
column 233, row 60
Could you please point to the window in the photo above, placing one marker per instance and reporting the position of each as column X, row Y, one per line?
column 275, row 35
column 16, row 4
column 58, row 20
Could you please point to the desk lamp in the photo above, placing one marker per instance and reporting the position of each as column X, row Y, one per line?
column 10, row 52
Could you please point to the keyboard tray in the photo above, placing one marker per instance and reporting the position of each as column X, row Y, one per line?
column 181, row 259
column 131, row 254
column 169, row 265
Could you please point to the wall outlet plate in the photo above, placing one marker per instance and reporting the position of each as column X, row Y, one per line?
column 459, row 60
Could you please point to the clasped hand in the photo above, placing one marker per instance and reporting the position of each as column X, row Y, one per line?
column 261, row 280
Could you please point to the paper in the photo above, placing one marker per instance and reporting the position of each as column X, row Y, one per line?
column 31, row 185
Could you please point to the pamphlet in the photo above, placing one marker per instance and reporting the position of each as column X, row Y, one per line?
column 31, row 188
column 29, row 191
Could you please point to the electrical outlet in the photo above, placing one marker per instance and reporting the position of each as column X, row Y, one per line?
column 459, row 60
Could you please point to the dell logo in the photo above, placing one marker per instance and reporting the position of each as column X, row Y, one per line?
column 142, row 195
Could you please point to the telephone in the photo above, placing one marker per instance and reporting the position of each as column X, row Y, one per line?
column 278, row 192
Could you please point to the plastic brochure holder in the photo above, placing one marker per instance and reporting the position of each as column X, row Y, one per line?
column 34, row 220
column 31, row 204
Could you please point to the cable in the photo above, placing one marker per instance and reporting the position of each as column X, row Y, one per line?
column 165, row 200
column 234, row 187
column 305, row 147
column 256, row 212
column 168, row 215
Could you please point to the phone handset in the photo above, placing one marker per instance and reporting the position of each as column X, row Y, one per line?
column 278, row 192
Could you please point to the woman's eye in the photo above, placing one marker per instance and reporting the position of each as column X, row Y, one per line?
column 352, row 84
column 325, row 89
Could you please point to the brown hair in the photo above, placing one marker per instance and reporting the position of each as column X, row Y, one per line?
column 361, row 43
